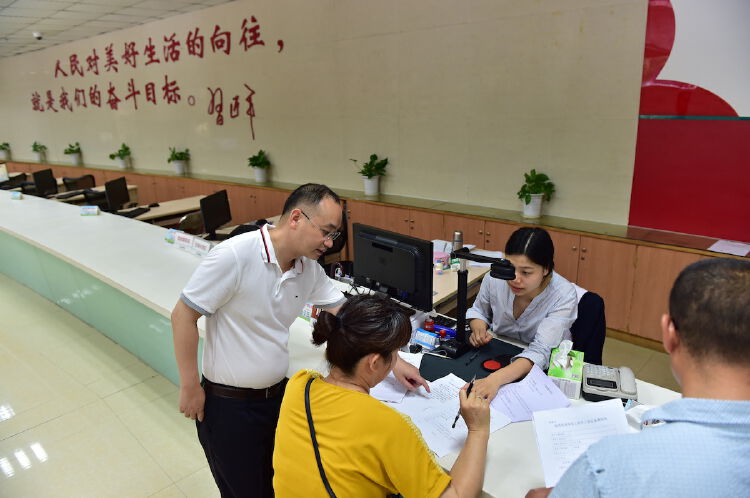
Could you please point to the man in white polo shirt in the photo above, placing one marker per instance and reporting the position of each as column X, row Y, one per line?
column 250, row 288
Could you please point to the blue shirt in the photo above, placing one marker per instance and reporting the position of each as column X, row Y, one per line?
column 701, row 450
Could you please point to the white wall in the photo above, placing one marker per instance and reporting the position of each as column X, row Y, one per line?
column 463, row 97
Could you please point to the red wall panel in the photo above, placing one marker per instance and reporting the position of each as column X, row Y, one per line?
column 693, row 176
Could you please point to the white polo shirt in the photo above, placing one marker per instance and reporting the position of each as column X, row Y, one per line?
column 249, row 306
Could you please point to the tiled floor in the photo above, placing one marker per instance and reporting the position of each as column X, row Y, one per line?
column 80, row 416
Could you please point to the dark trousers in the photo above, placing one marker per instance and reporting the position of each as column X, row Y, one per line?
column 237, row 436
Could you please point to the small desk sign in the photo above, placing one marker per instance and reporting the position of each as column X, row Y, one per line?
column 89, row 210
column 201, row 247
column 16, row 196
column 183, row 240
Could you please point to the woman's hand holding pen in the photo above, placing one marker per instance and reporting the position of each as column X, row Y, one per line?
column 475, row 410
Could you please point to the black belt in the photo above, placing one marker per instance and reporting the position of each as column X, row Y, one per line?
column 223, row 391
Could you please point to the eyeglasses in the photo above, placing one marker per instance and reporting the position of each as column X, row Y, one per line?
column 326, row 234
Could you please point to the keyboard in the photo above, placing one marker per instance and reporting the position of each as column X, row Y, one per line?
column 68, row 195
column 134, row 212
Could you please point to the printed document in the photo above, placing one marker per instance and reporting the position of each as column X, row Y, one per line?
column 563, row 434
column 535, row 392
column 433, row 413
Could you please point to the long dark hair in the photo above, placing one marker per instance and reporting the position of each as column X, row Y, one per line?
column 534, row 243
column 365, row 324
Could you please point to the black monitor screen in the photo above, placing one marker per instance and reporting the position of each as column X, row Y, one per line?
column 394, row 263
column 215, row 211
column 45, row 182
column 117, row 193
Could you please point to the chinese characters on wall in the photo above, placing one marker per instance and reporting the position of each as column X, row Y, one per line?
column 164, row 51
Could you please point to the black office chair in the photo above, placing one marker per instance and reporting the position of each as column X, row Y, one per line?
column 191, row 223
column 45, row 184
column 79, row 182
column 94, row 198
column 590, row 328
column 247, row 227
column 13, row 182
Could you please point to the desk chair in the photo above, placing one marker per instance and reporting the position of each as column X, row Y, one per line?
column 13, row 182
column 45, row 183
column 590, row 328
column 191, row 223
column 79, row 182
column 94, row 198
column 248, row 227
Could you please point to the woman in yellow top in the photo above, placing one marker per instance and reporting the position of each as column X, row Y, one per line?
column 366, row 448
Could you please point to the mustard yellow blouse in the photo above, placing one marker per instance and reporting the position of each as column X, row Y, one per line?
column 368, row 449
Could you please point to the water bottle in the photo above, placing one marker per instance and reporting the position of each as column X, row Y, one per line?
column 458, row 243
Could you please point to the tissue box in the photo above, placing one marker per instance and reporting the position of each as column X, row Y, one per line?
column 568, row 379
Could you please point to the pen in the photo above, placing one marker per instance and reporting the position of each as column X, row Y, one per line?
column 468, row 391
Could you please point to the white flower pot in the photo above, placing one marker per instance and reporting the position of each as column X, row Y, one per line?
column 261, row 174
column 534, row 208
column 4, row 155
column 123, row 162
column 75, row 158
column 371, row 185
column 180, row 167
column 41, row 156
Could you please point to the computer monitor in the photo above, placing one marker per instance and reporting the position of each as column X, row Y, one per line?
column 4, row 173
column 215, row 211
column 399, row 265
column 117, row 194
column 45, row 183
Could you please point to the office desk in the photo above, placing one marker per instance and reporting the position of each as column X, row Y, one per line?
column 445, row 287
column 172, row 209
column 77, row 199
column 513, row 465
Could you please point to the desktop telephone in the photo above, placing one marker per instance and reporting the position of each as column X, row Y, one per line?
column 602, row 383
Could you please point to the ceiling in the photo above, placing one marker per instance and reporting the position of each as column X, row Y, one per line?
column 64, row 21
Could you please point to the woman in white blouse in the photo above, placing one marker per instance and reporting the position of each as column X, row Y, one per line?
column 537, row 307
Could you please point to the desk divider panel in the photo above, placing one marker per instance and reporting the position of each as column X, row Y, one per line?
column 131, row 324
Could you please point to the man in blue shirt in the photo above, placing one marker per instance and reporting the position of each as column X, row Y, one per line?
column 698, row 445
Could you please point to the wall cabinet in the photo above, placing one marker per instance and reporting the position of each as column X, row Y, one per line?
column 655, row 272
column 490, row 235
column 421, row 224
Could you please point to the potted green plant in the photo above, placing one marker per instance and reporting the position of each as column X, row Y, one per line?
column 260, row 163
column 122, row 156
column 4, row 151
column 74, row 151
column 536, row 188
column 371, row 172
column 179, row 160
column 40, row 150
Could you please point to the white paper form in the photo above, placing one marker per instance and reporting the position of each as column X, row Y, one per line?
column 535, row 392
column 433, row 413
column 730, row 247
column 390, row 389
column 563, row 434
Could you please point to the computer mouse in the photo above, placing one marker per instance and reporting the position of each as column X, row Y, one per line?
column 154, row 205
